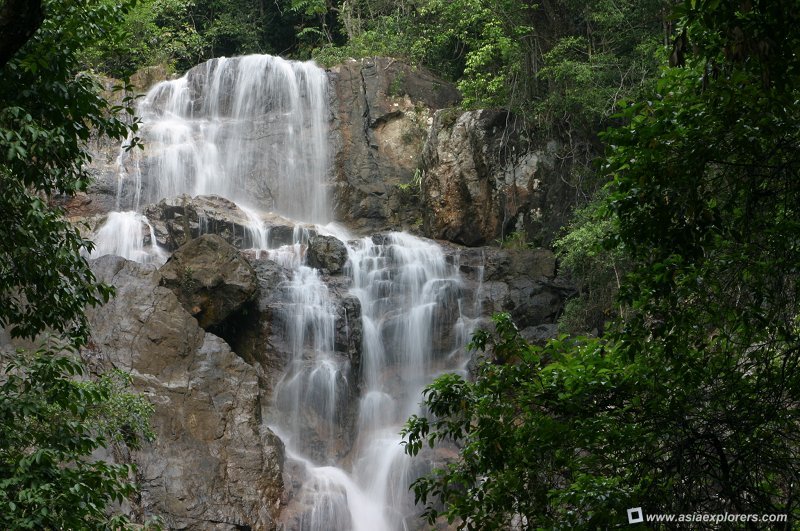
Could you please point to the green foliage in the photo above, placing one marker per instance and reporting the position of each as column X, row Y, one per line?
column 706, row 192
column 517, row 239
column 597, row 270
column 689, row 403
column 534, row 431
column 48, row 112
column 50, row 425
column 183, row 33
column 491, row 35
column 563, row 64
column 609, row 54
column 389, row 34
column 50, row 422
column 414, row 187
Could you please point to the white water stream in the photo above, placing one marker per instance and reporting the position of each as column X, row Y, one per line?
column 254, row 130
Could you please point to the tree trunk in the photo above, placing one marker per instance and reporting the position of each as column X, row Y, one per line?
column 19, row 20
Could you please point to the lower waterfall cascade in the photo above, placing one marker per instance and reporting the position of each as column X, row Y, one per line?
column 253, row 130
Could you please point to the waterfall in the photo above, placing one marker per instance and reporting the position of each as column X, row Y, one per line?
column 130, row 235
column 254, row 130
column 410, row 306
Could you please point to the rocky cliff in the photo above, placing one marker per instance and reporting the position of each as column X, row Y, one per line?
column 214, row 464
column 404, row 157
column 382, row 111
column 484, row 179
column 208, row 335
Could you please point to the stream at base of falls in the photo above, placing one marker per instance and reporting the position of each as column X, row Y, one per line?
column 254, row 130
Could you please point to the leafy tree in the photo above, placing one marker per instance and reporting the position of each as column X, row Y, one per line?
column 597, row 270
column 539, row 436
column 563, row 67
column 50, row 426
column 51, row 423
column 563, row 62
column 689, row 403
column 605, row 51
column 152, row 32
column 48, row 111
column 183, row 33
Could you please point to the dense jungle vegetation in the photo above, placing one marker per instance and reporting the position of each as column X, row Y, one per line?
column 682, row 118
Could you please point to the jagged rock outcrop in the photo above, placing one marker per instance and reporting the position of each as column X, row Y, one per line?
column 178, row 219
column 211, row 279
column 214, row 463
column 381, row 114
column 522, row 282
column 483, row 179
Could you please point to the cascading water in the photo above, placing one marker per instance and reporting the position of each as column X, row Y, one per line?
column 410, row 305
column 123, row 234
column 254, row 130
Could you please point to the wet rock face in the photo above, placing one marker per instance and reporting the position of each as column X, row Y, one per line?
column 483, row 179
column 382, row 110
column 521, row 282
column 326, row 253
column 208, row 408
column 179, row 219
column 215, row 384
column 210, row 278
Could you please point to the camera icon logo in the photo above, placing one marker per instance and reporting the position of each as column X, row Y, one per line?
column 635, row 515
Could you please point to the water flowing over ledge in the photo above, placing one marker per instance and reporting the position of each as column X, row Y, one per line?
column 253, row 130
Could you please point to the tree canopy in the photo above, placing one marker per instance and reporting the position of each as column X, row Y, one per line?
column 688, row 404
column 48, row 112
column 51, row 424
column 54, row 416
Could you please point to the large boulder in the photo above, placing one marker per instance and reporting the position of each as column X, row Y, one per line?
column 382, row 111
column 214, row 463
column 484, row 179
column 326, row 253
column 210, row 278
column 177, row 220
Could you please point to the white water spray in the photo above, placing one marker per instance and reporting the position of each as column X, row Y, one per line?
column 251, row 129
column 125, row 234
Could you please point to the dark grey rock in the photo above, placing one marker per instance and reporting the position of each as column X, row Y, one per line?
column 522, row 282
column 382, row 111
column 326, row 253
column 210, row 278
column 179, row 219
column 485, row 179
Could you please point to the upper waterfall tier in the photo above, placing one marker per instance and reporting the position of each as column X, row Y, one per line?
column 252, row 129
